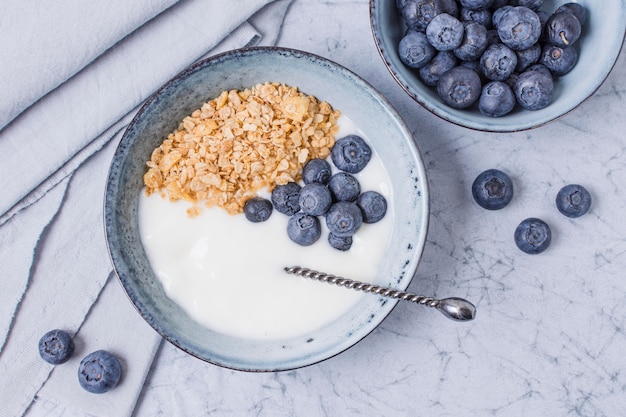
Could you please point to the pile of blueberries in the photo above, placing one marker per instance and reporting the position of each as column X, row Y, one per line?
column 98, row 372
column 493, row 190
column 337, row 197
column 496, row 53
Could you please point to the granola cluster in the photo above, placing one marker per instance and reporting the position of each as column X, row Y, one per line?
column 239, row 143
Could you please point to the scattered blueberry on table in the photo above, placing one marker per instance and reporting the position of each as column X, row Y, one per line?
column 492, row 189
column 533, row 236
column 498, row 40
column 573, row 200
column 99, row 372
column 56, row 346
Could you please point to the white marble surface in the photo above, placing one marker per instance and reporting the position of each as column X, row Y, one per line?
column 550, row 335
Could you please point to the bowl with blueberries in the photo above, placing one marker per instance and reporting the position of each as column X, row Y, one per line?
column 499, row 65
column 217, row 284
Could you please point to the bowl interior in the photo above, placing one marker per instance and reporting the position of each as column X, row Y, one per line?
column 599, row 47
column 237, row 70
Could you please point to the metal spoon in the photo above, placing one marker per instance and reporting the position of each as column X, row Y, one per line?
column 454, row 308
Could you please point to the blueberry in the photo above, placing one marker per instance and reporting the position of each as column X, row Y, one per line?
column 497, row 14
column 441, row 63
column 445, row 32
column 534, row 88
column 492, row 189
column 533, row 236
column 480, row 16
column 476, row 4
column 373, row 206
column 559, row 60
column 498, row 62
column 315, row 199
column 528, row 57
column 414, row 49
column 316, row 170
column 474, row 42
column 344, row 187
column 257, row 209
column 563, row 29
column 99, row 372
column 496, row 99
column 573, row 200
column 341, row 243
column 417, row 14
column 576, row 9
column 56, row 347
column 459, row 88
column 304, row 229
column 344, row 219
column 519, row 28
column 350, row 154
column 286, row 198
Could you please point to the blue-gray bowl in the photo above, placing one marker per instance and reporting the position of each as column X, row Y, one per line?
column 599, row 45
column 162, row 113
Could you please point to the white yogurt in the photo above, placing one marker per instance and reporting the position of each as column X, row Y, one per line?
column 227, row 273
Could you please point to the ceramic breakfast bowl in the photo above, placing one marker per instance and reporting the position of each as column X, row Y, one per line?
column 599, row 46
column 163, row 112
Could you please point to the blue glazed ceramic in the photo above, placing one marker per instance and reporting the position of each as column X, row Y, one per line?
column 600, row 45
column 240, row 69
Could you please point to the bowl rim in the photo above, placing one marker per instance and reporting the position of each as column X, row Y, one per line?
column 374, row 7
column 113, row 179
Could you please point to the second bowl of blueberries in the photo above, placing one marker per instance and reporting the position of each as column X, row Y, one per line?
column 499, row 65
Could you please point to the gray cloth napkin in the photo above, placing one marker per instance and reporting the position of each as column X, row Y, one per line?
column 45, row 43
column 53, row 164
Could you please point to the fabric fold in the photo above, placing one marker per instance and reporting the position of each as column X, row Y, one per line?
column 60, row 37
column 19, row 240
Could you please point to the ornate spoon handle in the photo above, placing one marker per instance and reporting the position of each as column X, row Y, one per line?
column 454, row 308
